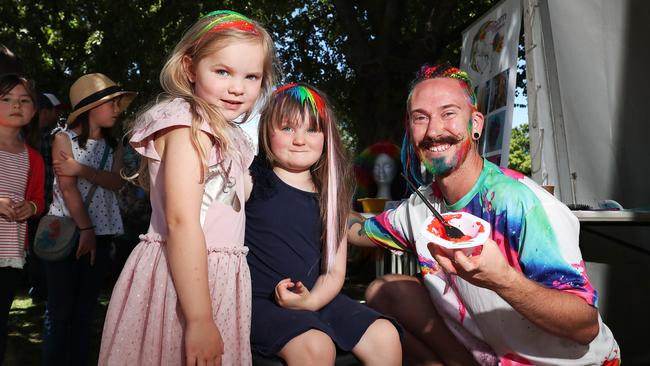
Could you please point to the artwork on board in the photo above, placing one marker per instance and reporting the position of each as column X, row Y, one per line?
column 489, row 56
column 494, row 131
column 487, row 45
column 498, row 95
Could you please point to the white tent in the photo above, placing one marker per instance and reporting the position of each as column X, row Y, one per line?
column 588, row 85
column 587, row 69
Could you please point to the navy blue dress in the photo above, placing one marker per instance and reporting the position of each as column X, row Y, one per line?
column 283, row 235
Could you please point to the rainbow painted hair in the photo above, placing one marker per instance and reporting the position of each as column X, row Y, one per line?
column 444, row 70
column 304, row 95
column 293, row 104
column 410, row 160
column 227, row 19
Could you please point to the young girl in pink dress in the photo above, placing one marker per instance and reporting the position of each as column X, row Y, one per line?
column 184, row 294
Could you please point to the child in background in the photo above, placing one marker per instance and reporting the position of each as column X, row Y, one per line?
column 85, row 154
column 183, row 296
column 21, row 188
column 295, row 232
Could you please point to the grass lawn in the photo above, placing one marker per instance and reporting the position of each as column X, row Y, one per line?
column 26, row 326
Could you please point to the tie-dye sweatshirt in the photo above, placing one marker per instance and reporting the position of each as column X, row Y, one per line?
column 537, row 234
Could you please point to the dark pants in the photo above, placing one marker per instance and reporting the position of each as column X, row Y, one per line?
column 72, row 290
column 35, row 266
column 9, row 281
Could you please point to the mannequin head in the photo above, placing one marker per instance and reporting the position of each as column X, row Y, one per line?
column 383, row 173
column 375, row 170
column 384, row 169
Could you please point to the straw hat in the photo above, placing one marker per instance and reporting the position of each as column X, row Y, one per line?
column 91, row 90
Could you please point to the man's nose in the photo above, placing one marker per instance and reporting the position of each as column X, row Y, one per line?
column 434, row 127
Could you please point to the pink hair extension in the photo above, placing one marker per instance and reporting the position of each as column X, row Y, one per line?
column 331, row 245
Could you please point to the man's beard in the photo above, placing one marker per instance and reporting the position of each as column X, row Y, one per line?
column 443, row 166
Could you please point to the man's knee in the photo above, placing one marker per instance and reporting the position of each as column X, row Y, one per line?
column 387, row 289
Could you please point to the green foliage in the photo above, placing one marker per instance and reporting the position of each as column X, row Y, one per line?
column 519, row 158
column 361, row 53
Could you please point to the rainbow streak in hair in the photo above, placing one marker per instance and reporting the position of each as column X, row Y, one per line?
column 227, row 19
column 303, row 95
column 445, row 70
column 410, row 160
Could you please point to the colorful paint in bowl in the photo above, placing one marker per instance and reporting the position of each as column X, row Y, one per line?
column 476, row 232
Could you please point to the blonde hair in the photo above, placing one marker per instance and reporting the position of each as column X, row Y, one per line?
column 197, row 44
column 331, row 174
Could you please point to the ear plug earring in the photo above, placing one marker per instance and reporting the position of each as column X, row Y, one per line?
column 476, row 135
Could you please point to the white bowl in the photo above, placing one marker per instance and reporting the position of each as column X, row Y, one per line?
column 476, row 231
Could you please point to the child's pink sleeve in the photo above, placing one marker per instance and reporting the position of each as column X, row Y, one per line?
column 175, row 112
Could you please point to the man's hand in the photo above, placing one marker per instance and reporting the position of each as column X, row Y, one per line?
column 203, row 343
column 66, row 165
column 563, row 314
column 488, row 269
column 292, row 295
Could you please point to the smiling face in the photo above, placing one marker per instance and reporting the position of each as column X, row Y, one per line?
column 442, row 121
column 230, row 78
column 16, row 107
column 297, row 145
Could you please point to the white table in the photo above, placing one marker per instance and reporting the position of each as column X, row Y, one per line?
column 631, row 217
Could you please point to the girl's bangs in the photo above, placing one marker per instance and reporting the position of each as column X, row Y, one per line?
column 8, row 83
column 289, row 111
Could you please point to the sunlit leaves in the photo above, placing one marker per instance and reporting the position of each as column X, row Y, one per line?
column 519, row 158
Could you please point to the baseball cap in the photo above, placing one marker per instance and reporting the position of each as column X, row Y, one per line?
column 48, row 100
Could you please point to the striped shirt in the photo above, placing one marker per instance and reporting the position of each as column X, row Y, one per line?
column 14, row 168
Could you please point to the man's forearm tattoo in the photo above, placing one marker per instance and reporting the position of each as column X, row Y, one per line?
column 356, row 220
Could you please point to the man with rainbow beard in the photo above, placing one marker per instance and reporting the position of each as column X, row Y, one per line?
column 526, row 298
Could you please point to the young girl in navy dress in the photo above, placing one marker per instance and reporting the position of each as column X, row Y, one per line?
column 295, row 232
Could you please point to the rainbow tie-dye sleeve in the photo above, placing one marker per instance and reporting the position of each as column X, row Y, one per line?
column 380, row 230
column 546, row 256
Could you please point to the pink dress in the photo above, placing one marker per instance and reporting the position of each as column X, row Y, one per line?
column 144, row 322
